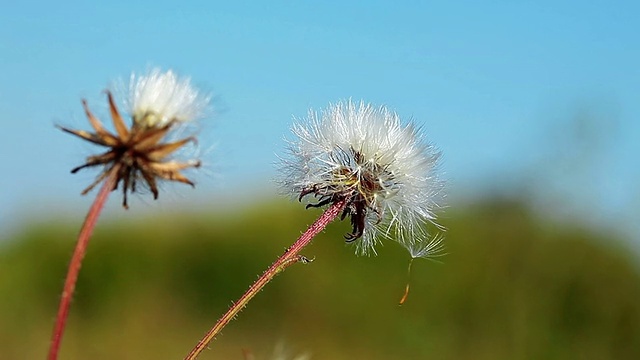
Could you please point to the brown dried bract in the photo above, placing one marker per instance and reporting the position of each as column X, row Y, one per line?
column 139, row 151
column 356, row 188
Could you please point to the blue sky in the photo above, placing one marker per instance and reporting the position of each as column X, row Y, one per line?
column 495, row 86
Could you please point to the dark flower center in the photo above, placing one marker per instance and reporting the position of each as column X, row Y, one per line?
column 358, row 185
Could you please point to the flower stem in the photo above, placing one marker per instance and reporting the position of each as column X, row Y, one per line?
column 289, row 257
column 76, row 260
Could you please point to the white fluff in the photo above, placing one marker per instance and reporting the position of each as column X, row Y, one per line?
column 402, row 163
column 160, row 97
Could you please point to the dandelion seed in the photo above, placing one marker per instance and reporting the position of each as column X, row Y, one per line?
column 384, row 170
column 159, row 102
column 426, row 250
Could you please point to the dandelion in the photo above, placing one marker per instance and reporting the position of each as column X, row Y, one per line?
column 384, row 171
column 159, row 103
column 362, row 163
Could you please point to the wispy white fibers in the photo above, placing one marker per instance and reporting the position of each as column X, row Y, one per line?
column 385, row 169
column 160, row 97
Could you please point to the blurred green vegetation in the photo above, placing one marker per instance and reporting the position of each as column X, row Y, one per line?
column 512, row 286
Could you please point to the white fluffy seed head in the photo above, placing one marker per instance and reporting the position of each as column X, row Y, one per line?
column 358, row 151
column 158, row 98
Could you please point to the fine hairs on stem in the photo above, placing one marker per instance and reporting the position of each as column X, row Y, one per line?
column 364, row 164
column 160, row 103
column 290, row 256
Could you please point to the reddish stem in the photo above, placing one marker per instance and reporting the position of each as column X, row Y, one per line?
column 289, row 257
column 76, row 260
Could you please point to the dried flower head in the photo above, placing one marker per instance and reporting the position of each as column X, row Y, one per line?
column 384, row 170
column 159, row 102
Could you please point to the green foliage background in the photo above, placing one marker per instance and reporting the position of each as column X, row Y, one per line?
column 513, row 286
